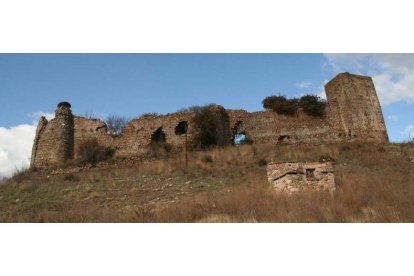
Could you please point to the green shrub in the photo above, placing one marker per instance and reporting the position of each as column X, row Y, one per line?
column 281, row 105
column 149, row 114
column 206, row 125
column 195, row 108
column 212, row 127
column 90, row 151
column 313, row 105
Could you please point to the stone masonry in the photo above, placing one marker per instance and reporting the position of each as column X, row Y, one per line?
column 54, row 140
column 353, row 114
column 354, row 109
column 293, row 177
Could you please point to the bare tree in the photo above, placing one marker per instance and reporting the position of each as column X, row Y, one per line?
column 115, row 124
column 89, row 114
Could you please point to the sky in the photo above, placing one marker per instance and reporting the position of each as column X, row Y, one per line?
column 128, row 85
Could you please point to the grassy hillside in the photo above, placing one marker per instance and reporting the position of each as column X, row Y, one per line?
column 374, row 184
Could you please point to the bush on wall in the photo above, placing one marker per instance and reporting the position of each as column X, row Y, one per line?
column 90, row 151
column 212, row 125
column 281, row 105
column 311, row 104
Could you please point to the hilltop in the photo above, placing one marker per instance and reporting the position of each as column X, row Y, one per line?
column 375, row 183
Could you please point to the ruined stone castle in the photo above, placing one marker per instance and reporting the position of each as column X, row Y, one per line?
column 353, row 114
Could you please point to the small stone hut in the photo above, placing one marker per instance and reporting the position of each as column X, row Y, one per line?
column 296, row 176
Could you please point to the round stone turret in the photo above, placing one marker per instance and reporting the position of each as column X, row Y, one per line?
column 64, row 132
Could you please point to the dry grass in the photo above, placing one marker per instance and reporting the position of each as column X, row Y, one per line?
column 374, row 184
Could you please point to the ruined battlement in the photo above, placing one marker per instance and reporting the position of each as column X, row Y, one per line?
column 353, row 114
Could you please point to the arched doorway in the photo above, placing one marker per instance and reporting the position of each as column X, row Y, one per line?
column 158, row 137
column 239, row 135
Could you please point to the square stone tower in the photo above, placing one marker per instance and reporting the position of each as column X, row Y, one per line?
column 354, row 111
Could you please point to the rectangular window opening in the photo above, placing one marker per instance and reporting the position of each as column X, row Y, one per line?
column 310, row 174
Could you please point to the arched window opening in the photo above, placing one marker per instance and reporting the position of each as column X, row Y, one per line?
column 240, row 139
column 239, row 135
column 158, row 137
column 181, row 128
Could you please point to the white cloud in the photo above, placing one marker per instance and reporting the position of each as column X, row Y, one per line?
column 393, row 118
column 393, row 74
column 15, row 148
column 321, row 90
column 321, row 94
column 36, row 115
column 304, row 84
column 16, row 144
column 408, row 132
column 312, row 89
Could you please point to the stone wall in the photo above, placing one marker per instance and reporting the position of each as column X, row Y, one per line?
column 353, row 114
column 35, row 158
column 136, row 136
column 354, row 111
column 54, row 140
column 87, row 129
column 296, row 177
column 270, row 127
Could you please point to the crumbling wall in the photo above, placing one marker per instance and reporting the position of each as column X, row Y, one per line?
column 270, row 127
column 293, row 177
column 45, row 148
column 54, row 142
column 353, row 114
column 39, row 131
column 136, row 136
column 87, row 129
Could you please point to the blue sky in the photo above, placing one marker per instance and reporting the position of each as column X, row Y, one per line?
column 129, row 85
column 132, row 84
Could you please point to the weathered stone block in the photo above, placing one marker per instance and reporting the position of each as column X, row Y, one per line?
column 293, row 177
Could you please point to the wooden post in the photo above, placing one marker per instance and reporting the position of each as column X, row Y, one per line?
column 185, row 150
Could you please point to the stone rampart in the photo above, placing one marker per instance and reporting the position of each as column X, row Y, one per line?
column 353, row 114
